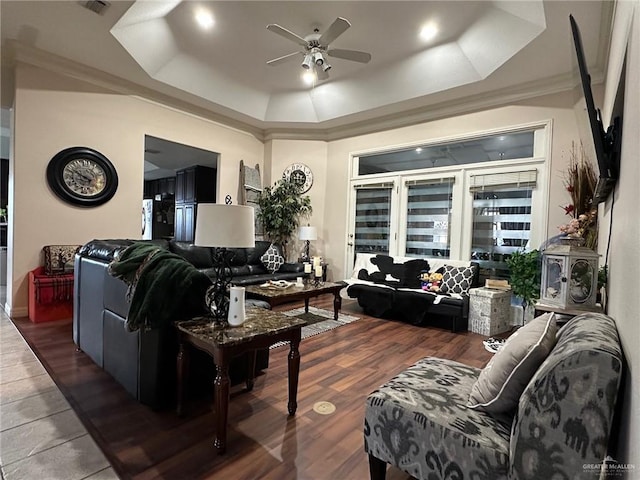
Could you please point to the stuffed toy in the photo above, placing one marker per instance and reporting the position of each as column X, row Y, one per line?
column 431, row 281
column 424, row 279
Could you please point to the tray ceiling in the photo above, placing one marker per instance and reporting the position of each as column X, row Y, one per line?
column 482, row 48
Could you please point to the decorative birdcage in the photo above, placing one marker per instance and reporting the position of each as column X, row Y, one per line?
column 569, row 277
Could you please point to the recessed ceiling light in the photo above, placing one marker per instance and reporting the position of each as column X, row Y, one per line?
column 428, row 31
column 204, row 18
column 309, row 77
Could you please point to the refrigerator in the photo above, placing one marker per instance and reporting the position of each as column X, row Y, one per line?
column 147, row 219
column 158, row 217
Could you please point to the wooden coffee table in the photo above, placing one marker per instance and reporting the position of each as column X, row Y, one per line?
column 261, row 329
column 275, row 296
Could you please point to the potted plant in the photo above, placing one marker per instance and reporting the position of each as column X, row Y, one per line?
column 524, row 269
column 281, row 207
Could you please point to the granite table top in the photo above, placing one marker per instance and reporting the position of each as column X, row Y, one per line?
column 293, row 289
column 259, row 321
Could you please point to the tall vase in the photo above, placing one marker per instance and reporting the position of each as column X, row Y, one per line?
column 236, row 306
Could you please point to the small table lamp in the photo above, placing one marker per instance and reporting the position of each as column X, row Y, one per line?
column 223, row 226
column 307, row 233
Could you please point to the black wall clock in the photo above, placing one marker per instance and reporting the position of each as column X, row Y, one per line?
column 299, row 174
column 82, row 176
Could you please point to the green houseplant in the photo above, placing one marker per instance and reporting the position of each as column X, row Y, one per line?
column 524, row 269
column 281, row 207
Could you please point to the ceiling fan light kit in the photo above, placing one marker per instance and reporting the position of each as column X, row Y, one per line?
column 307, row 62
column 316, row 47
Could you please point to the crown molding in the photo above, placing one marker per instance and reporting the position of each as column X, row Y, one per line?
column 39, row 58
column 406, row 113
column 426, row 113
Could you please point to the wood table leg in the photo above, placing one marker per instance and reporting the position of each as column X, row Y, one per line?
column 294, row 371
column 251, row 368
column 337, row 303
column 182, row 374
column 306, row 305
column 221, row 385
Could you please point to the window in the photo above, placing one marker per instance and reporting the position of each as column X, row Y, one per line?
column 428, row 217
column 474, row 199
column 373, row 218
column 491, row 148
column 501, row 219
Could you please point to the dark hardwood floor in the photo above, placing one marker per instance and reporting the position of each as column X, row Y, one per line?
column 341, row 366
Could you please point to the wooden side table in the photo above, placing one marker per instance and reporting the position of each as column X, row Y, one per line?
column 541, row 308
column 567, row 313
column 262, row 329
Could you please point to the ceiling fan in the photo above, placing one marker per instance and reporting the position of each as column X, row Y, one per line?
column 316, row 48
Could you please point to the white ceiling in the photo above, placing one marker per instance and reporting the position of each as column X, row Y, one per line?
column 485, row 50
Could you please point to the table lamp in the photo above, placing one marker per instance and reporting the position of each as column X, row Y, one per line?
column 307, row 233
column 223, row 226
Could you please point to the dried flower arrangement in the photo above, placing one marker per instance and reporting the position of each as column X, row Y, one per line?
column 580, row 181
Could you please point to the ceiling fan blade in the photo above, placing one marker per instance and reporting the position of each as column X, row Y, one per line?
column 287, row 34
column 353, row 55
column 283, row 59
column 336, row 29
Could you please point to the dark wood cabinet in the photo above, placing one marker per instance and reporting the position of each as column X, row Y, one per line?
column 185, row 222
column 196, row 184
column 161, row 186
column 4, row 182
column 193, row 185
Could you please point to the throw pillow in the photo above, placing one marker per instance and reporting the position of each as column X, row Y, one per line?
column 58, row 259
column 505, row 377
column 271, row 259
column 457, row 279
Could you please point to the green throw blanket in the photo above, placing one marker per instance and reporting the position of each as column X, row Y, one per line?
column 163, row 286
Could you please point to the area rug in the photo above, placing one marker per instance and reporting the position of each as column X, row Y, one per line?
column 318, row 321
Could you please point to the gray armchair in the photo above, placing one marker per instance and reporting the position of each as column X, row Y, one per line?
column 420, row 423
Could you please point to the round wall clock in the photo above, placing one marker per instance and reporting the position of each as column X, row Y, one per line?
column 82, row 176
column 299, row 174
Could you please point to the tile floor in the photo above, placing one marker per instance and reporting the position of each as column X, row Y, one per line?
column 40, row 435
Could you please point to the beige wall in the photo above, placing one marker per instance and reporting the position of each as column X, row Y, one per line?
column 622, row 214
column 314, row 155
column 55, row 112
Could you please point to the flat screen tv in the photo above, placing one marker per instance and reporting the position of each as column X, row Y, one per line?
column 606, row 143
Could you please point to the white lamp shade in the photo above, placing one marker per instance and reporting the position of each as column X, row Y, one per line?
column 229, row 226
column 307, row 233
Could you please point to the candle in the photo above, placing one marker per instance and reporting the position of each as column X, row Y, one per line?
column 316, row 262
column 307, row 268
column 318, row 271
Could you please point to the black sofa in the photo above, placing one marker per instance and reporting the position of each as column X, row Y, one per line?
column 144, row 362
column 396, row 294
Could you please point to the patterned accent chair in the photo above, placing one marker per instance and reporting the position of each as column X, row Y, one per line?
column 419, row 421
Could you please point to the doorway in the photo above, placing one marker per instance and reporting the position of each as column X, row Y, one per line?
column 163, row 160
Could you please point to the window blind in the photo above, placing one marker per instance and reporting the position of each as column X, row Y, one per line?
column 431, row 181
column 373, row 215
column 428, row 217
column 522, row 179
